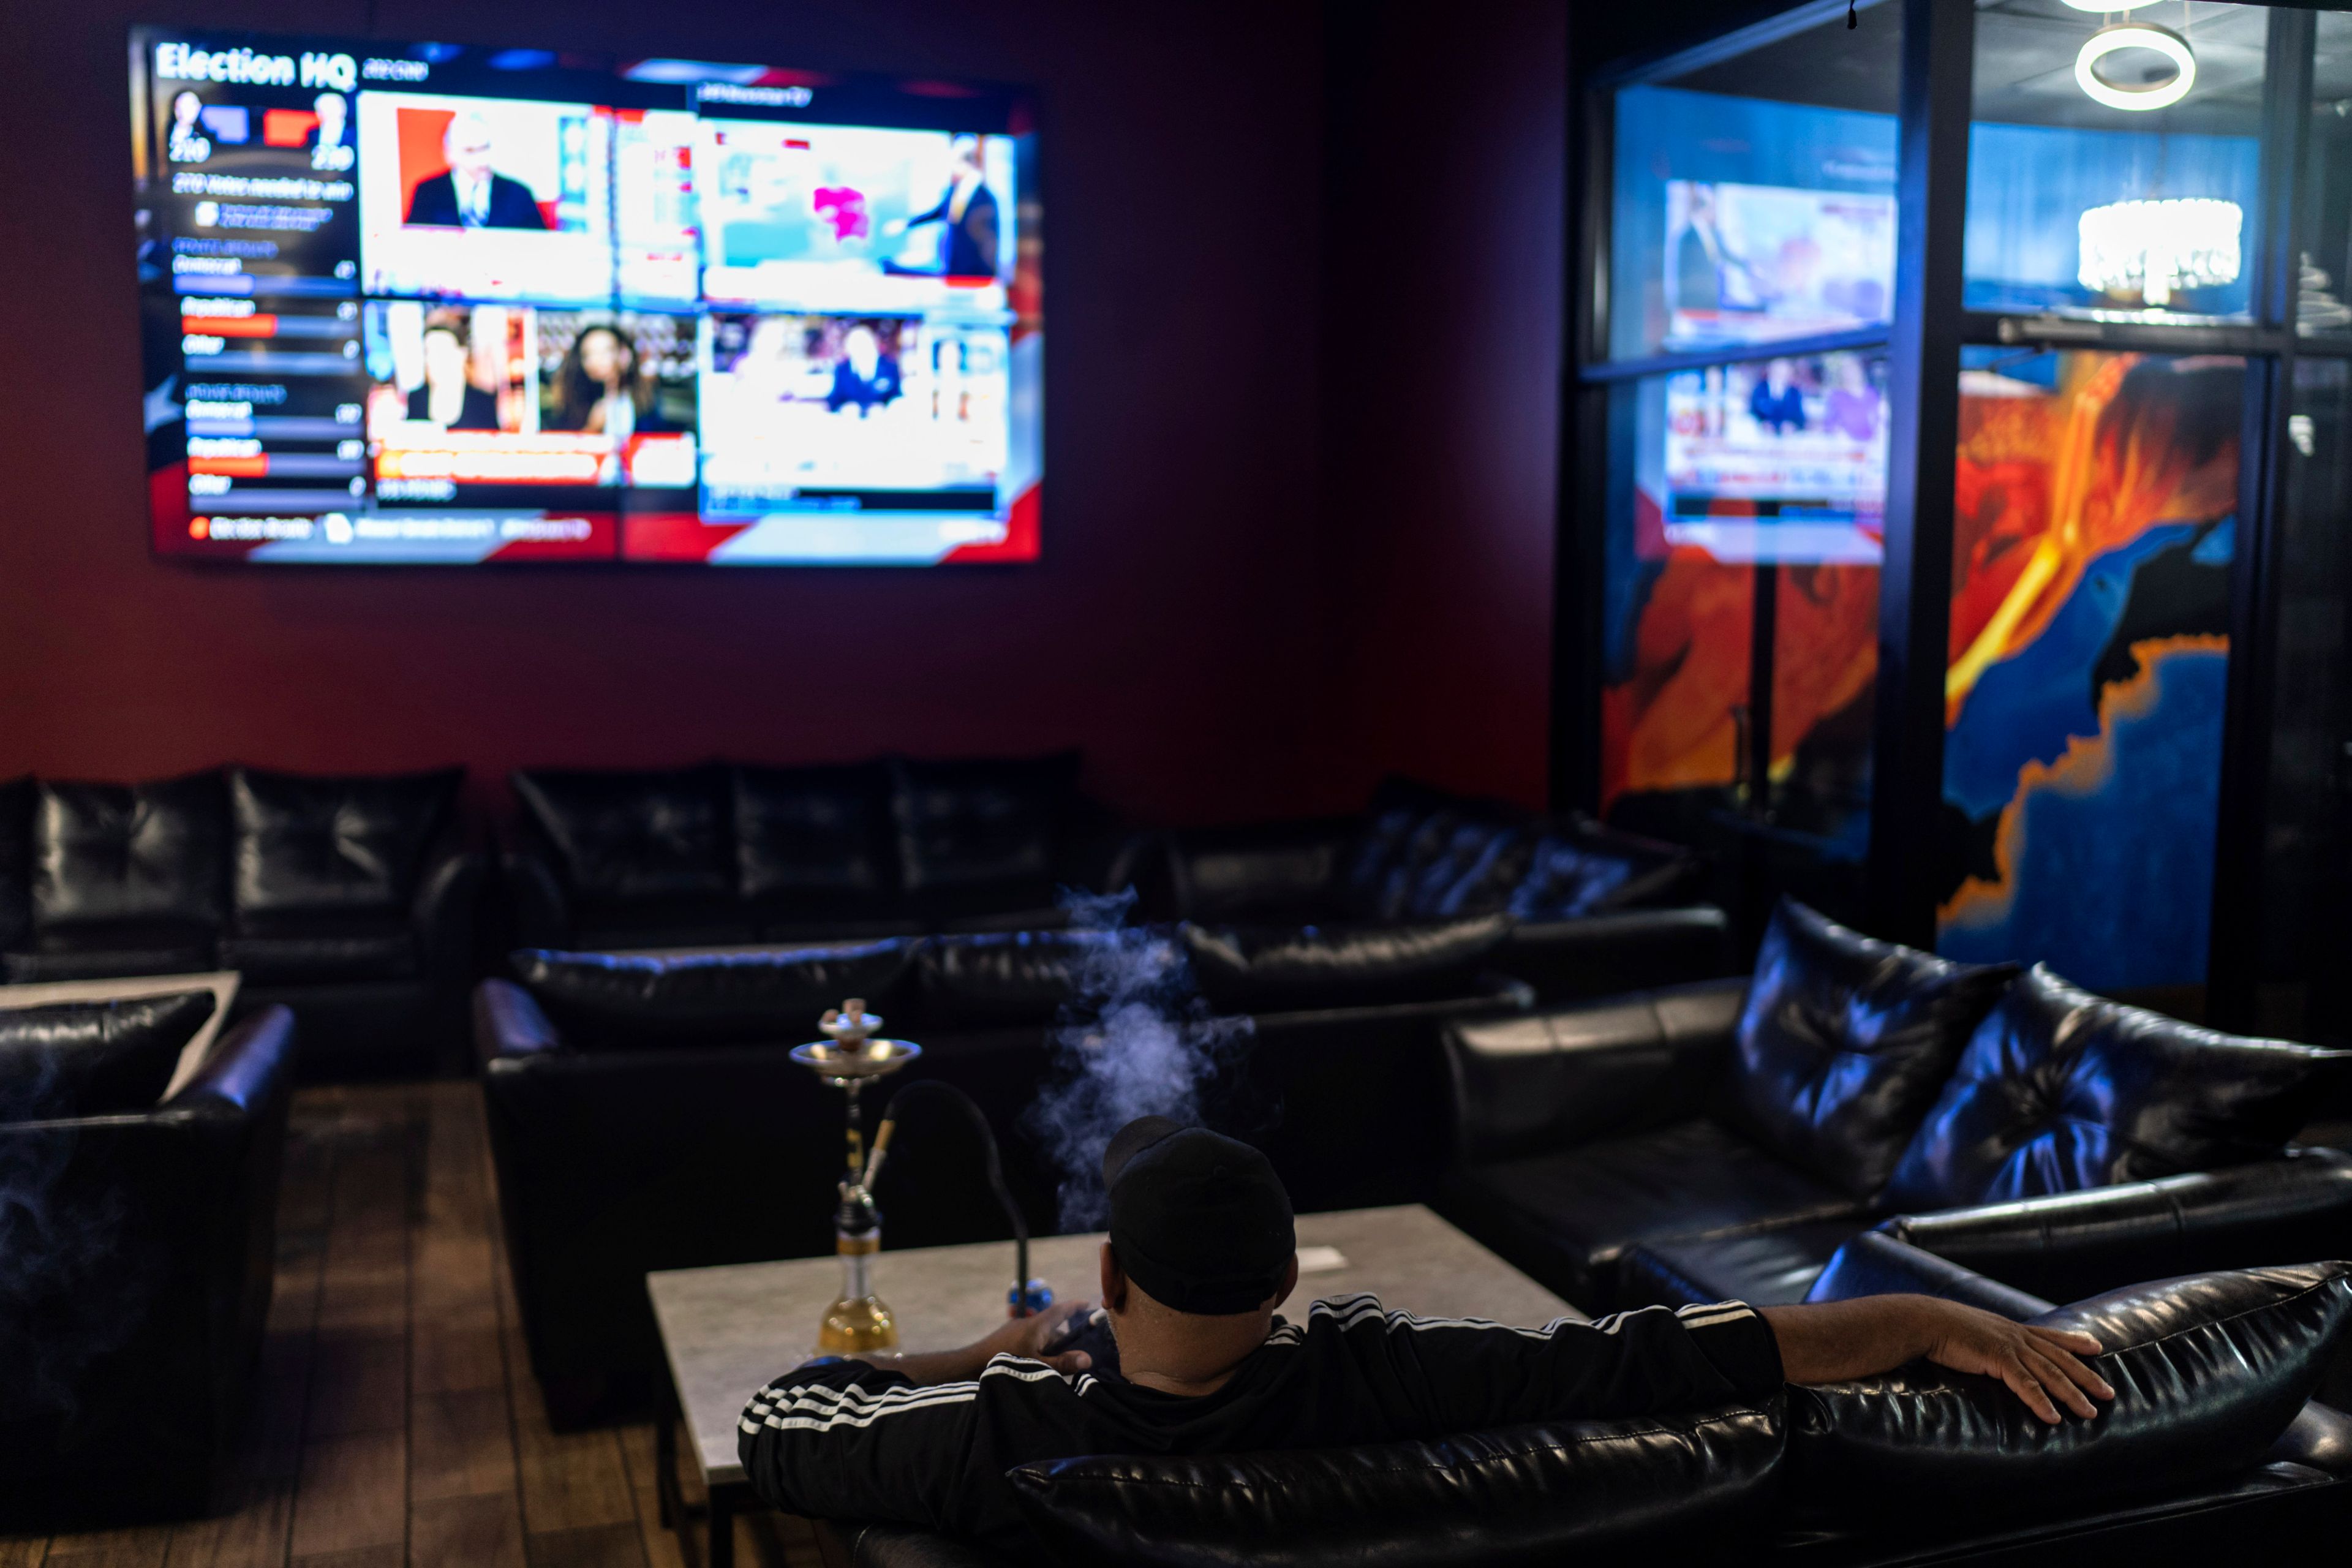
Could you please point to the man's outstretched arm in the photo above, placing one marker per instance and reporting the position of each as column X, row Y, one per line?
column 1829, row 1341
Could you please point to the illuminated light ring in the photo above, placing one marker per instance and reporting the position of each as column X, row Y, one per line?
column 2134, row 35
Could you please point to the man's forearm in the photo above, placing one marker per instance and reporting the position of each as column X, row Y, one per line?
column 1828, row 1341
column 934, row 1366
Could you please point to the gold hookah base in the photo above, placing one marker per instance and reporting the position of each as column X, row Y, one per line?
column 856, row 1323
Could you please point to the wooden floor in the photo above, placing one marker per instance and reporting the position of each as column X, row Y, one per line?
column 396, row 1418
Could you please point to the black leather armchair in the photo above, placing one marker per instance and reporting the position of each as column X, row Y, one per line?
column 732, row 854
column 1596, row 911
column 350, row 900
column 1592, row 1152
column 129, row 1334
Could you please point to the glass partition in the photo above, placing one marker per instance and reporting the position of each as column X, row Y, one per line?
column 1754, row 194
column 2096, row 505
column 2095, row 189
column 1758, row 486
column 2307, row 888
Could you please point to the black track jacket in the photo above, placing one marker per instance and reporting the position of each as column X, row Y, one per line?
column 848, row 1441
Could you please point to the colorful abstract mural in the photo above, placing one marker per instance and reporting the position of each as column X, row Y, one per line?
column 2096, row 500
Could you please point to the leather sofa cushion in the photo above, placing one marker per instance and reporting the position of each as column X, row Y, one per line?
column 1573, row 1213
column 603, row 1000
column 1028, row 977
column 1773, row 1267
column 1567, row 1490
column 1410, row 839
column 95, row 949
column 94, row 1059
column 1273, row 870
column 1581, row 869
column 306, row 845
column 987, row 824
column 630, row 837
column 156, row 851
column 817, row 834
column 2058, row 1090
column 321, row 948
column 1845, row 1044
column 15, row 860
column 2207, row 1370
column 1473, row 871
column 1278, row 969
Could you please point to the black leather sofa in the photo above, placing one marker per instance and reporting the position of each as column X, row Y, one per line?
column 1593, row 911
column 2211, row 1444
column 733, row 854
column 1724, row 1139
column 644, row 1113
column 349, row 900
column 137, row 1245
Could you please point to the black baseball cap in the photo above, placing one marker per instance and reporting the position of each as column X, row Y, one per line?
column 1200, row 1221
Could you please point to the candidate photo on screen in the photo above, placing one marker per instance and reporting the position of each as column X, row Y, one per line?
column 449, row 368
column 797, row 212
column 469, row 192
column 616, row 375
column 481, row 198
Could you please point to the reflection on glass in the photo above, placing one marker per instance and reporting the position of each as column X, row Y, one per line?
column 1824, row 669
column 1755, row 196
column 2306, row 911
column 2097, row 503
column 1781, row 463
column 2327, row 183
column 2077, row 207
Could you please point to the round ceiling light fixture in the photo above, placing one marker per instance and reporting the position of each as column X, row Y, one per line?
column 2135, row 36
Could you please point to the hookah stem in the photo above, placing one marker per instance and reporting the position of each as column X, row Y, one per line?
column 979, row 1120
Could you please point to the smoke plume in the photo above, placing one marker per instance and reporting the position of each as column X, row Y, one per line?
column 63, row 1286
column 1135, row 1039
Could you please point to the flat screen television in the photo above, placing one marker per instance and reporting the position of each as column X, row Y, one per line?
column 444, row 304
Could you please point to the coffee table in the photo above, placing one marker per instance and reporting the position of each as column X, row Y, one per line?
column 727, row 1330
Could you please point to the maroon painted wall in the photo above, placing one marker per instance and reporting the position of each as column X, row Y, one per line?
column 1446, row 229
column 1225, row 633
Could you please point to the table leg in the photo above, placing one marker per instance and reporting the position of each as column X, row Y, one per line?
column 722, row 1527
column 665, row 1487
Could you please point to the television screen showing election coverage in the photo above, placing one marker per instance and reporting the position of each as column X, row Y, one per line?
column 435, row 303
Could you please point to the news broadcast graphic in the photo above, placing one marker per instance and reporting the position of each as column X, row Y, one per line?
column 1748, row 263
column 438, row 303
column 1779, row 460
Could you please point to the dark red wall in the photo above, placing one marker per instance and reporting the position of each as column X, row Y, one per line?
column 1445, row 230
column 1222, row 630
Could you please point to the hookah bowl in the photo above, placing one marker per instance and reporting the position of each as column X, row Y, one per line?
column 849, row 1058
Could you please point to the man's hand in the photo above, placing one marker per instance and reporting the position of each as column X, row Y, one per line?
column 1020, row 1336
column 1030, row 1336
column 2039, row 1364
column 1830, row 1342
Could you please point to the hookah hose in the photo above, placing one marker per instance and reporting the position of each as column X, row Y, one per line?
column 932, row 1087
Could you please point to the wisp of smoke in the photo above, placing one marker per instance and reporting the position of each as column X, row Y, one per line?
column 1134, row 1040
column 66, row 1293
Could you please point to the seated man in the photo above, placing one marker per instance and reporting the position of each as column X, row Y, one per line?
column 1200, row 1254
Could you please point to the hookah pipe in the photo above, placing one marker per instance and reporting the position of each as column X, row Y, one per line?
column 1028, row 1297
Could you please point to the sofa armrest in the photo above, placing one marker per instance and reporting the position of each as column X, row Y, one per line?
column 252, row 1061
column 2072, row 1245
column 508, row 1023
column 542, row 916
column 1608, row 954
column 443, row 909
column 1538, row 1082
column 1876, row 1264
